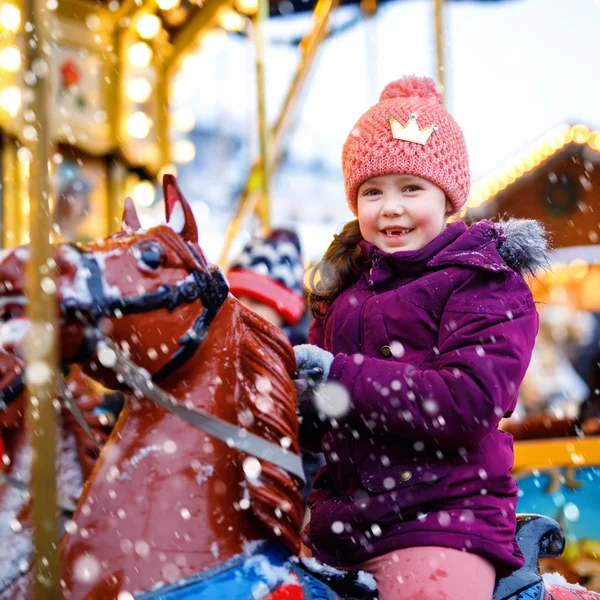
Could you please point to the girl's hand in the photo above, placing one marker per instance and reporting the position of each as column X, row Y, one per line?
column 312, row 363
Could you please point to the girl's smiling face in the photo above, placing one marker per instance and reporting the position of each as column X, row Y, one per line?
column 401, row 212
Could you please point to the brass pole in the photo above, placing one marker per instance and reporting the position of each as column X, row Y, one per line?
column 116, row 195
column 10, row 204
column 309, row 45
column 162, row 121
column 40, row 347
column 258, row 20
column 188, row 35
column 439, row 44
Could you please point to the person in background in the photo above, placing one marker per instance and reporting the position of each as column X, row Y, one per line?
column 267, row 278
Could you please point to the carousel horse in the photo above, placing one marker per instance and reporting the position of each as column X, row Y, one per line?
column 76, row 456
column 197, row 491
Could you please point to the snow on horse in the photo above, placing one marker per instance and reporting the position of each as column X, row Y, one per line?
column 171, row 511
column 76, row 455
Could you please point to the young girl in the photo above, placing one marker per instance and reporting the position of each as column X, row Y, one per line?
column 430, row 329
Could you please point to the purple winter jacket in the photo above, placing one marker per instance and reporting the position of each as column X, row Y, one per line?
column 432, row 346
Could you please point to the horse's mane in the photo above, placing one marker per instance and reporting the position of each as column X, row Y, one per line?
column 269, row 404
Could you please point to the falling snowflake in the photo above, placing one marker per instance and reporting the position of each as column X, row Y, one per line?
column 333, row 400
column 86, row 568
column 337, row 527
column 252, row 467
column 106, row 356
column 170, row 447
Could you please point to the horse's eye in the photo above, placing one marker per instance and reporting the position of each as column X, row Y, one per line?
column 152, row 254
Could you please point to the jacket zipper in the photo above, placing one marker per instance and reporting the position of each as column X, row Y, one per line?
column 374, row 258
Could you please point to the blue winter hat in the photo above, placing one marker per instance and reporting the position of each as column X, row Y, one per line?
column 270, row 270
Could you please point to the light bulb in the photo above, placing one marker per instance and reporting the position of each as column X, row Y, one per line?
column 167, row 4
column 184, row 151
column 10, row 100
column 248, row 7
column 148, row 26
column 140, row 54
column 144, row 193
column 231, row 20
column 139, row 89
column 138, row 125
column 10, row 17
column 10, row 59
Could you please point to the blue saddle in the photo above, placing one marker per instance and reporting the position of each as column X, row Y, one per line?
column 260, row 570
column 267, row 565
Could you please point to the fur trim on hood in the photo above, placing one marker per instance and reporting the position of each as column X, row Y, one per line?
column 526, row 246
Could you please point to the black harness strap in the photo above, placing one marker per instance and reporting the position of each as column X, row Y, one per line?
column 11, row 392
column 208, row 285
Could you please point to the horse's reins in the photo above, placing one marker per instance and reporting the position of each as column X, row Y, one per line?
column 235, row 437
column 212, row 288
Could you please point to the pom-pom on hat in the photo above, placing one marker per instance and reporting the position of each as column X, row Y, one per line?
column 270, row 270
column 408, row 131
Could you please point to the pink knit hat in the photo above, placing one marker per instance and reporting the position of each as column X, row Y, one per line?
column 408, row 131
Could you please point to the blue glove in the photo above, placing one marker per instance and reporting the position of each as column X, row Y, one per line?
column 312, row 363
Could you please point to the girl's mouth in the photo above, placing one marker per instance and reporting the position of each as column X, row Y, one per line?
column 396, row 232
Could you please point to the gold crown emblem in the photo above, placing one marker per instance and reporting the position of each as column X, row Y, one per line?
column 411, row 132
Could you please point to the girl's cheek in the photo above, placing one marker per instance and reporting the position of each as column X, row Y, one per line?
column 424, row 217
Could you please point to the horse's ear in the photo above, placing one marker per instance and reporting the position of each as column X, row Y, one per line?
column 178, row 212
column 130, row 221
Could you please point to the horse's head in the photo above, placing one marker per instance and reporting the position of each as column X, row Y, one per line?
column 151, row 291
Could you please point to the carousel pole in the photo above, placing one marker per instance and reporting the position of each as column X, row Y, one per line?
column 309, row 45
column 439, row 45
column 40, row 347
column 258, row 21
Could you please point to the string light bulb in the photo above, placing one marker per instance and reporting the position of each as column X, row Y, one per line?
column 144, row 193
column 231, row 20
column 10, row 100
column 184, row 151
column 140, row 54
column 10, row 59
column 247, row 7
column 148, row 26
column 10, row 16
column 167, row 4
column 139, row 89
column 138, row 125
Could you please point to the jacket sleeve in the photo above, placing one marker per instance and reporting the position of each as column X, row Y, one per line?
column 487, row 333
column 312, row 427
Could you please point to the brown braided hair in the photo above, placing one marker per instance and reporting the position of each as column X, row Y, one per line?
column 339, row 268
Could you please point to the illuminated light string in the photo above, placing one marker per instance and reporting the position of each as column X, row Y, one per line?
column 549, row 145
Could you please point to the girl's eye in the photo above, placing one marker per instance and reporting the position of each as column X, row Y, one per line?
column 411, row 188
column 372, row 192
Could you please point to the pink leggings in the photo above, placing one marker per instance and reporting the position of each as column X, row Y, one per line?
column 431, row 573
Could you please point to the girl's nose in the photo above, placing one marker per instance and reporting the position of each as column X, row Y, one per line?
column 392, row 207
